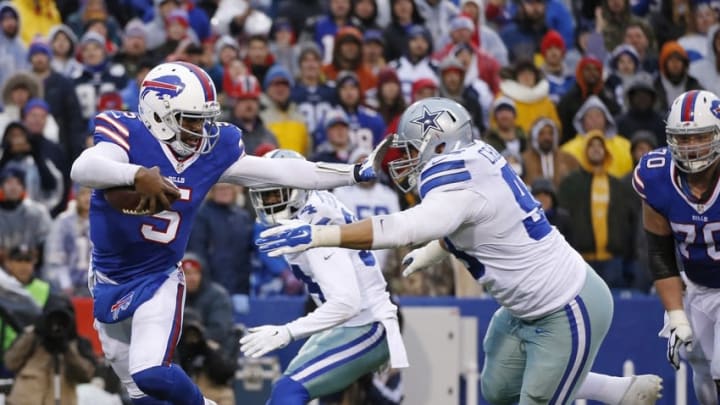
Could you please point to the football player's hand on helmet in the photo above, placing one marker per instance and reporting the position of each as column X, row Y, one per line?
column 154, row 189
column 262, row 340
column 296, row 236
column 369, row 169
column 423, row 257
column 680, row 335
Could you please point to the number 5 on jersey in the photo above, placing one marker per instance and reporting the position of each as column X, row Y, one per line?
column 154, row 233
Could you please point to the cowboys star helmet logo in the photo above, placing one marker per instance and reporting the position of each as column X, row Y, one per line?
column 428, row 120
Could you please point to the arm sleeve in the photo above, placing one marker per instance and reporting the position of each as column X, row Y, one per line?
column 252, row 171
column 102, row 166
column 336, row 278
column 436, row 215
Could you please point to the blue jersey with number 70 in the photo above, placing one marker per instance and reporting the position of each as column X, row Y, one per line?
column 127, row 246
column 695, row 222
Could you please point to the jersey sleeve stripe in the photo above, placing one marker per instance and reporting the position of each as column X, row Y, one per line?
column 114, row 137
column 323, row 221
column 441, row 167
column 115, row 124
column 444, row 180
column 638, row 184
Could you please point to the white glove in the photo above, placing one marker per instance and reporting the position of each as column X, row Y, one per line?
column 423, row 257
column 264, row 339
column 680, row 335
column 296, row 236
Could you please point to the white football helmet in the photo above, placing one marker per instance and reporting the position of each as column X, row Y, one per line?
column 422, row 128
column 693, row 130
column 282, row 202
column 175, row 91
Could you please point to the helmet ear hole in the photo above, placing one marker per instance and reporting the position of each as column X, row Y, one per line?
column 439, row 148
column 156, row 117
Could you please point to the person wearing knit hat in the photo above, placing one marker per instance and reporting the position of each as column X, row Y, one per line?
column 14, row 51
column 311, row 92
column 674, row 78
column 624, row 65
column 347, row 54
column 63, row 43
column 588, row 82
column 424, row 88
column 373, row 48
column 556, row 72
column 277, row 74
column 389, row 98
column 39, row 46
column 504, row 132
column 452, row 86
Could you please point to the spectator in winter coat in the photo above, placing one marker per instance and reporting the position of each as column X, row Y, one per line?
column 504, row 133
column 11, row 45
column 63, row 43
column 281, row 114
column 641, row 37
column 554, row 68
column 367, row 127
column 221, row 235
column 588, row 83
column 624, row 65
column 522, row 37
column 707, row 70
column 259, row 59
column 594, row 116
column 695, row 40
column 374, row 50
column 545, row 191
column 404, row 14
column 452, row 86
column 133, row 50
column 348, row 56
column 415, row 64
column 243, row 94
column 484, row 37
column 312, row 94
column 543, row 159
column 438, row 15
column 641, row 115
column 616, row 17
column 18, row 89
column 337, row 146
column 674, row 79
column 38, row 17
column 324, row 28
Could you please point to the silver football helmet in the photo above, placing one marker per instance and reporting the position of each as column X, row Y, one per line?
column 274, row 203
column 424, row 127
column 693, row 130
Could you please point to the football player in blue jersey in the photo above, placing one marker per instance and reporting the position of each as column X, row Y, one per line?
column 555, row 310
column 172, row 149
column 681, row 216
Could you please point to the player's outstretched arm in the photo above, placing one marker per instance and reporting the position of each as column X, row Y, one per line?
column 424, row 257
column 102, row 166
column 251, row 171
column 663, row 265
column 426, row 221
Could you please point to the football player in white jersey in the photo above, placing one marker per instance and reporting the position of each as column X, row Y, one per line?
column 354, row 331
column 679, row 189
column 555, row 310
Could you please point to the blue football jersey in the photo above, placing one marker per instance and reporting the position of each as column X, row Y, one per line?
column 126, row 246
column 695, row 223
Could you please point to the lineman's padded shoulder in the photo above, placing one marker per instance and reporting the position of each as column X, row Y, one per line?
column 323, row 208
column 445, row 173
column 652, row 179
column 115, row 127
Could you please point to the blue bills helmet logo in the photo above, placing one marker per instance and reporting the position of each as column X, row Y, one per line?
column 715, row 108
column 428, row 120
column 121, row 304
column 163, row 86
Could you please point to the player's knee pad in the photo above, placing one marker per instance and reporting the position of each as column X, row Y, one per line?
column 287, row 391
column 168, row 383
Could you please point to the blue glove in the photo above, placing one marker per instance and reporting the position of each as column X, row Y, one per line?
column 290, row 237
column 369, row 169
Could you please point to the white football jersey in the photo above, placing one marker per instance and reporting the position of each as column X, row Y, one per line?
column 488, row 219
column 503, row 236
column 335, row 274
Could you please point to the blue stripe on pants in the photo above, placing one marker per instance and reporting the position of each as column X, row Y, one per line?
column 579, row 321
column 338, row 349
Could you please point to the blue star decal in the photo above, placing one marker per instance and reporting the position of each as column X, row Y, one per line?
column 428, row 120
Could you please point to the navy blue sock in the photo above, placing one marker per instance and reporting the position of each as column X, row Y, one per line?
column 169, row 384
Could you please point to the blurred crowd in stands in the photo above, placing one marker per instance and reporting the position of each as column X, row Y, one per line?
column 571, row 92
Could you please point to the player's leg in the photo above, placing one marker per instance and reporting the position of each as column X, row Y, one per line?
column 115, row 341
column 634, row 390
column 156, row 327
column 501, row 376
column 562, row 346
column 701, row 310
column 329, row 362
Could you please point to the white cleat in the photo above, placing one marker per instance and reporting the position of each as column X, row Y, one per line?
column 644, row 390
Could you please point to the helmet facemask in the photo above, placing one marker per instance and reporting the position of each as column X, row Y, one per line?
column 694, row 149
column 405, row 170
column 208, row 137
column 274, row 204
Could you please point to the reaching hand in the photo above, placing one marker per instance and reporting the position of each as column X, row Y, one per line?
column 680, row 335
column 264, row 339
column 369, row 169
column 290, row 237
column 423, row 257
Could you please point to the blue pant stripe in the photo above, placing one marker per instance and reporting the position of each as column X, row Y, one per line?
column 338, row 349
column 573, row 354
column 588, row 337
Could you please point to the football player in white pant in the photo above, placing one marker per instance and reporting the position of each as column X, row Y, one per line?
column 681, row 215
column 555, row 309
column 354, row 331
